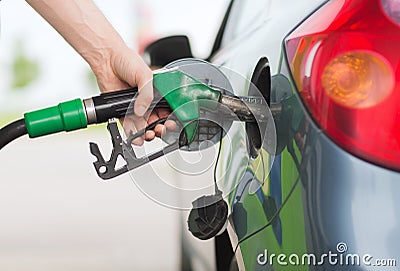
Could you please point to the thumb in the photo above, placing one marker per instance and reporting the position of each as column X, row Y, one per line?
column 130, row 68
column 144, row 80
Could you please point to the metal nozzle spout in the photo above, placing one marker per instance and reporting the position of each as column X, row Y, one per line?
column 249, row 109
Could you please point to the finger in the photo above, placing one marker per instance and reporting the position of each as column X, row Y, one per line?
column 149, row 136
column 140, row 124
column 170, row 125
column 144, row 98
column 127, row 125
column 129, row 128
column 159, row 130
column 152, row 118
column 163, row 113
column 138, row 141
column 144, row 79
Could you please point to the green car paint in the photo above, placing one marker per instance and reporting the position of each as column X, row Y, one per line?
column 233, row 162
column 292, row 220
column 290, row 213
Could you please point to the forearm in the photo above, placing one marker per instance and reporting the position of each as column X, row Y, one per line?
column 83, row 26
column 116, row 66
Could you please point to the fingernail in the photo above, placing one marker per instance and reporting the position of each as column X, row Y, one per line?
column 140, row 110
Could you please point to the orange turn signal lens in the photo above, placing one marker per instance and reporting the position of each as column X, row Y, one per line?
column 358, row 79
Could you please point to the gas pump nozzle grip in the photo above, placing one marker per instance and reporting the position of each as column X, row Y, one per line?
column 183, row 94
column 173, row 89
column 117, row 104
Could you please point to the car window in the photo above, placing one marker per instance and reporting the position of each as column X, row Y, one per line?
column 245, row 15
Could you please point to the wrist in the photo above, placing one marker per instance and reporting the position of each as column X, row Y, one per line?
column 100, row 61
column 99, row 57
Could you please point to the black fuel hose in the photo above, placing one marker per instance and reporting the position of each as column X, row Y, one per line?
column 12, row 131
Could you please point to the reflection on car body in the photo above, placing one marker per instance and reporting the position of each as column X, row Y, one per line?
column 322, row 188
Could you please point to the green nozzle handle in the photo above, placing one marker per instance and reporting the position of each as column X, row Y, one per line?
column 186, row 95
column 67, row 116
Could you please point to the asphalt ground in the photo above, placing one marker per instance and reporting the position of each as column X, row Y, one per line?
column 56, row 214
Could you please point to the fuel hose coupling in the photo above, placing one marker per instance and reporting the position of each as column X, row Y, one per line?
column 77, row 114
column 66, row 116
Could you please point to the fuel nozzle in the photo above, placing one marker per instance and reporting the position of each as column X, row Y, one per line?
column 174, row 90
column 194, row 94
column 249, row 109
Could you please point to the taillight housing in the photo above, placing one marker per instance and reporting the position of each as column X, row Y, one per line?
column 344, row 60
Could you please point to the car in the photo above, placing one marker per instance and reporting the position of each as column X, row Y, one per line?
column 327, row 197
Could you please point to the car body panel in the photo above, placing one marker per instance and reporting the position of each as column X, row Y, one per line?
column 310, row 195
column 241, row 54
column 325, row 193
column 330, row 197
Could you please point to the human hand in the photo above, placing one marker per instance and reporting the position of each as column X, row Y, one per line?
column 125, row 69
column 116, row 66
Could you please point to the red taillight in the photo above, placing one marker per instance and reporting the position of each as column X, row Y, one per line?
column 345, row 63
